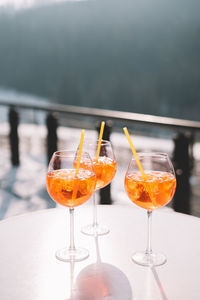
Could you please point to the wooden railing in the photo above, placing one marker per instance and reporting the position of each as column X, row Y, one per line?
column 184, row 137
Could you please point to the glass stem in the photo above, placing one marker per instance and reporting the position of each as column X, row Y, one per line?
column 71, row 212
column 94, row 211
column 149, row 226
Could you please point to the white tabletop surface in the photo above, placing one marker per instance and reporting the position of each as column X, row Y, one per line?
column 30, row 271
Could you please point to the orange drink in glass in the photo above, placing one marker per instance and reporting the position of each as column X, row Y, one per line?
column 105, row 167
column 150, row 184
column 154, row 192
column 70, row 187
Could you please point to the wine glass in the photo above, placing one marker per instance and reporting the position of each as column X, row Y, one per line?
column 70, row 187
column 105, row 167
column 151, row 190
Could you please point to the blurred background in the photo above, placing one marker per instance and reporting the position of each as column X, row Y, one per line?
column 128, row 56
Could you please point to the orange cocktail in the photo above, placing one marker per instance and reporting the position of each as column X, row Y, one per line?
column 69, row 188
column 104, row 168
column 154, row 192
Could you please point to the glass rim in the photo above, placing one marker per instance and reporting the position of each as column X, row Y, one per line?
column 95, row 141
column 151, row 154
column 69, row 153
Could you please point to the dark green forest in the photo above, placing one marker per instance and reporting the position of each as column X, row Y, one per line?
column 138, row 56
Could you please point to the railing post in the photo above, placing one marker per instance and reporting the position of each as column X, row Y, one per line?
column 52, row 139
column 183, row 162
column 105, row 193
column 13, row 136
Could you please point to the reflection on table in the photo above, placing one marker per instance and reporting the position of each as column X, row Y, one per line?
column 100, row 281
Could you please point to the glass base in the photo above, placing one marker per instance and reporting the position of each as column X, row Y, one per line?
column 149, row 260
column 94, row 230
column 68, row 255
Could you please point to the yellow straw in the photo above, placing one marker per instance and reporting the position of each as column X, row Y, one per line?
column 139, row 165
column 80, row 151
column 134, row 153
column 75, row 189
column 100, row 138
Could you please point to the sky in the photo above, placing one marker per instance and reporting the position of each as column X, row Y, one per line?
column 20, row 4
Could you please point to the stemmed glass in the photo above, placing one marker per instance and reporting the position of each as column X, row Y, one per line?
column 70, row 187
column 151, row 190
column 105, row 168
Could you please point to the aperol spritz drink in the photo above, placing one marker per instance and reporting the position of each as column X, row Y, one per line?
column 154, row 192
column 150, row 190
column 105, row 168
column 70, row 187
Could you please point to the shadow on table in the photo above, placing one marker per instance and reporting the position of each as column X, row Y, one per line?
column 100, row 281
column 159, row 284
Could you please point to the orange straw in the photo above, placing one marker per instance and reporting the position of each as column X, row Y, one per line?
column 100, row 138
column 80, row 151
column 134, row 153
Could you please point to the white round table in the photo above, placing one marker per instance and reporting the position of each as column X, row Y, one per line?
column 30, row 271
